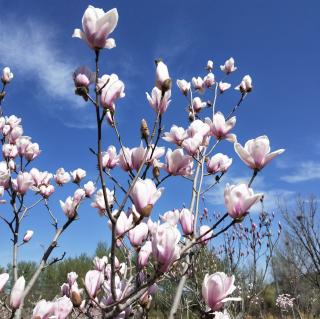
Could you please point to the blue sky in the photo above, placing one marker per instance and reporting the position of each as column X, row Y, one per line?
column 276, row 42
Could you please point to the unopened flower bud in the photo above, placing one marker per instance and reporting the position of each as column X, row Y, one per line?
column 144, row 129
column 76, row 298
column 191, row 117
column 7, row 75
column 28, row 235
column 209, row 65
column 156, row 171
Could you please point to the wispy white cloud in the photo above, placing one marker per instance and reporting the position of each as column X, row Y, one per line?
column 34, row 54
column 305, row 171
column 31, row 50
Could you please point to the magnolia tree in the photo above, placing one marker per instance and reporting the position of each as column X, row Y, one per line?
column 154, row 250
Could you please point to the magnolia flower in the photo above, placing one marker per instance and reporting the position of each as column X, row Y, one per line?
column 198, row 84
column 69, row 207
column 192, row 144
column 178, row 163
column 62, row 307
column 218, row 163
column 198, row 105
column 228, row 66
column 246, row 84
column 171, row 217
column 6, row 130
column 78, row 175
column 17, row 292
column 83, row 77
column 78, row 196
column 223, row 86
column 123, row 223
column 209, row 80
column 138, row 234
column 186, row 220
column 12, row 165
column 62, row 177
column 138, row 154
column 144, row 195
column 15, row 133
column 7, row 75
column 209, row 66
column 176, row 135
column 110, row 158
column 99, row 201
column 163, row 81
column 256, row 152
column 45, row 190
column 89, row 188
column 125, row 158
column 238, row 199
column 144, row 253
column 100, row 263
column 3, row 280
column 111, row 90
column 9, row 151
column 28, row 235
column 72, row 277
column 184, row 86
column 198, row 127
column 135, row 216
column 165, row 248
column 40, row 178
column 22, row 183
column 152, row 225
column 93, row 281
column 65, row 289
column 32, row 151
column 216, row 288
column 205, row 233
column 22, row 143
column 220, row 128
column 43, row 310
column 13, row 121
column 4, row 174
column 158, row 101
column 97, row 25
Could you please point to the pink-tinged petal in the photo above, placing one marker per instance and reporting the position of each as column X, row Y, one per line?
column 3, row 280
column 231, row 299
column 77, row 33
column 244, row 155
column 17, row 292
column 231, row 123
column 229, row 286
column 89, row 21
column 248, row 202
column 108, row 21
column 259, row 149
column 272, row 155
column 110, row 43
column 156, row 195
column 231, row 138
column 205, row 287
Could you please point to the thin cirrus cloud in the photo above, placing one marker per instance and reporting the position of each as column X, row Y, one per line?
column 30, row 50
column 306, row 171
column 38, row 58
